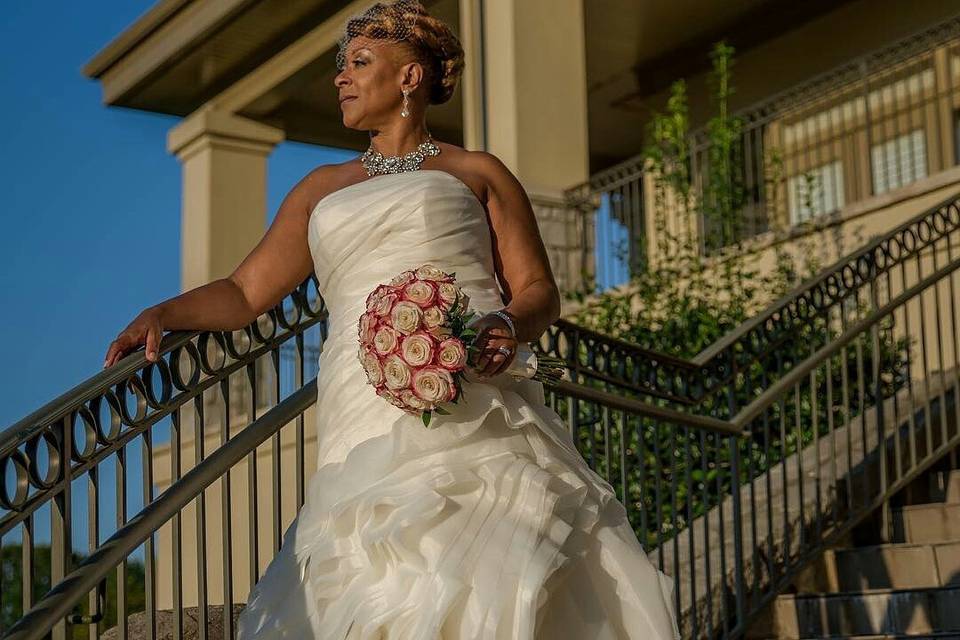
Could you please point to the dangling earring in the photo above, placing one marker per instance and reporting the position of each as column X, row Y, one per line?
column 406, row 102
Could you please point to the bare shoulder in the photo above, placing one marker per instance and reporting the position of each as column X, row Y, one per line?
column 483, row 172
column 327, row 178
column 491, row 168
column 503, row 190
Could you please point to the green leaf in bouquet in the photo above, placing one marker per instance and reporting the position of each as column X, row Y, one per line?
column 442, row 411
column 425, row 416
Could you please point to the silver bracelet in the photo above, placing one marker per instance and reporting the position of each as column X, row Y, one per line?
column 500, row 313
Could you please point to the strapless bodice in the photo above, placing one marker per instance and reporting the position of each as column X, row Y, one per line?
column 366, row 233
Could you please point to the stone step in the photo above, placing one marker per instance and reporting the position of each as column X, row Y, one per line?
column 874, row 612
column 934, row 522
column 937, row 635
column 948, row 635
column 945, row 486
column 883, row 566
column 137, row 624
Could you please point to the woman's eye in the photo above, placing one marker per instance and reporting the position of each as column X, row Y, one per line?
column 356, row 62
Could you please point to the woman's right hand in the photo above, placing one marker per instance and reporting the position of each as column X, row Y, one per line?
column 146, row 329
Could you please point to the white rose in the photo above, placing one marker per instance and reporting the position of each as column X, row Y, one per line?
column 396, row 373
column 452, row 354
column 417, row 349
column 385, row 340
column 406, row 316
column 433, row 384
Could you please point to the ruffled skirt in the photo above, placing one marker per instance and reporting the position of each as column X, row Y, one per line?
column 488, row 526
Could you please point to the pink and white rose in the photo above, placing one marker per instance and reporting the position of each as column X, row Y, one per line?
column 417, row 349
column 385, row 303
column 376, row 294
column 452, row 355
column 372, row 367
column 410, row 399
column 402, row 278
column 397, row 374
column 421, row 292
column 406, row 316
column 367, row 328
column 385, row 340
column 430, row 272
column 447, row 292
column 433, row 384
column 433, row 317
column 390, row 396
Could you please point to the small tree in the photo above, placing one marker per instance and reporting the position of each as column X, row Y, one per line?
column 678, row 304
column 684, row 301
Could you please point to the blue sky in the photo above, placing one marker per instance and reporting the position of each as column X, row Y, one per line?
column 91, row 200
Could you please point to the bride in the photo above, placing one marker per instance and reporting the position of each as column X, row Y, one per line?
column 489, row 525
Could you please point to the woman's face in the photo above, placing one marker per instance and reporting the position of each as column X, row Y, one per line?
column 369, row 86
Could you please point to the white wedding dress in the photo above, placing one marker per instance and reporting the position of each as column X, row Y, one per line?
column 488, row 526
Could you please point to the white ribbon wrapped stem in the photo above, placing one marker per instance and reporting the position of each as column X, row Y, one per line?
column 524, row 363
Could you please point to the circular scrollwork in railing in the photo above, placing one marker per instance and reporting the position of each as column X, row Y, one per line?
column 158, row 373
column 17, row 460
column 34, row 461
column 52, row 446
column 87, row 421
column 818, row 298
column 132, row 394
column 186, row 360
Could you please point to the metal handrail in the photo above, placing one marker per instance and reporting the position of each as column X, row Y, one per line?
column 767, row 398
column 35, row 422
column 819, row 280
column 717, row 354
column 59, row 601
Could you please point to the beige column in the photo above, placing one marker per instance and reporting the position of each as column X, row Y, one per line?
column 224, row 209
column 536, row 115
column 471, row 82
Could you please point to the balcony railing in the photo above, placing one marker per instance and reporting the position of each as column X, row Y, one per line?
column 871, row 126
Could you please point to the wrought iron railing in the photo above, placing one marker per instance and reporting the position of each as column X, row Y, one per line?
column 869, row 126
column 735, row 467
column 54, row 458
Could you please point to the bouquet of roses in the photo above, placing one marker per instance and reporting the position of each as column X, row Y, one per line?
column 415, row 338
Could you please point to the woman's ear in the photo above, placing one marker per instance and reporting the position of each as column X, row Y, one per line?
column 412, row 75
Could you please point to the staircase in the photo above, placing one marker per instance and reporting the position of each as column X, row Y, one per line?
column 906, row 588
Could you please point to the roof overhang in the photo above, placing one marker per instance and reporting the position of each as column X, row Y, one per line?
column 270, row 60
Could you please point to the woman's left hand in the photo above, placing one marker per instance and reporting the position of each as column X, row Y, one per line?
column 493, row 332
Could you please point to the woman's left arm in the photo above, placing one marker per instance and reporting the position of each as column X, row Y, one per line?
column 521, row 262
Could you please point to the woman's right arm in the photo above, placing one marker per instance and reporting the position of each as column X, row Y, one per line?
column 279, row 262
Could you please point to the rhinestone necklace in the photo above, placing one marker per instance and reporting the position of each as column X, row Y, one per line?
column 375, row 163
